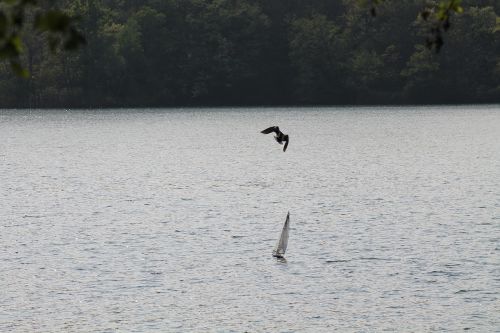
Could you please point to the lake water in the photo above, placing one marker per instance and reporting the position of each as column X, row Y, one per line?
column 165, row 220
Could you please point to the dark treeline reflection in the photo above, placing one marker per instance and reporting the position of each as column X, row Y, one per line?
column 260, row 52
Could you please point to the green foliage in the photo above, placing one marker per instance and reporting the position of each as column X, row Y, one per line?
column 13, row 21
column 316, row 49
column 438, row 16
column 248, row 52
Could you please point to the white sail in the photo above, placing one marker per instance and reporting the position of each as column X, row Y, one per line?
column 280, row 249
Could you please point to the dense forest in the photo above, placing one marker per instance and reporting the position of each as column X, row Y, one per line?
column 156, row 53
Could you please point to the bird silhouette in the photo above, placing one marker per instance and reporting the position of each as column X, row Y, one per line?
column 280, row 137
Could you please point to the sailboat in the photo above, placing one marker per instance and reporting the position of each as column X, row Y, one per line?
column 280, row 249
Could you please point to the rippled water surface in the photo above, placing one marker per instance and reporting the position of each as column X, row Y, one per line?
column 165, row 220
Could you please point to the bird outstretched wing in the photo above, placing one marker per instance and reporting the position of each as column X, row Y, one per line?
column 271, row 129
column 287, row 139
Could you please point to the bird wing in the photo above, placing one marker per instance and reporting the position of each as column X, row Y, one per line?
column 271, row 129
column 287, row 139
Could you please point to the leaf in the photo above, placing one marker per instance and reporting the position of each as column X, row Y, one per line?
column 12, row 48
column 17, row 43
column 19, row 70
column 74, row 40
column 425, row 14
column 3, row 25
column 54, row 21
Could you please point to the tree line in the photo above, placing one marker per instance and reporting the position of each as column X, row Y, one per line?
column 153, row 53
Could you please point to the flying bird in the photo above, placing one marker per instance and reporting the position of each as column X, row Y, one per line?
column 280, row 137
